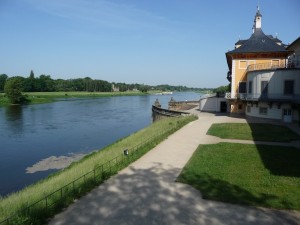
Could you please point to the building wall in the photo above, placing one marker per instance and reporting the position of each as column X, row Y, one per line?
column 275, row 80
column 273, row 112
column 240, row 68
column 296, row 48
column 295, row 58
column 211, row 104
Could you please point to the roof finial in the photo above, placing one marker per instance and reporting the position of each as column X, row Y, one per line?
column 257, row 20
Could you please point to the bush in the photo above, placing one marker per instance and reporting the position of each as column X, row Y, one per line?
column 13, row 89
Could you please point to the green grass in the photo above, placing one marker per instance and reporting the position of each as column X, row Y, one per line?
column 46, row 97
column 255, row 175
column 253, row 131
column 35, row 192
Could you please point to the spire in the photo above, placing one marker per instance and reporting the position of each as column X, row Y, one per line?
column 257, row 20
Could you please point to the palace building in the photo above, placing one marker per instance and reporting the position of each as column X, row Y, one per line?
column 265, row 76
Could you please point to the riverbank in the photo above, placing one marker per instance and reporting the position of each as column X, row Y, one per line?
column 33, row 193
column 47, row 97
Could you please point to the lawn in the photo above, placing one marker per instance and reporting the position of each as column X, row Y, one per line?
column 253, row 131
column 256, row 175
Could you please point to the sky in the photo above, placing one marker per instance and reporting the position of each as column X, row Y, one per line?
column 176, row 42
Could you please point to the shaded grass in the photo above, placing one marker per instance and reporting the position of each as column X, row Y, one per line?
column 253, row 131
column 246, row 174
column 35, row 192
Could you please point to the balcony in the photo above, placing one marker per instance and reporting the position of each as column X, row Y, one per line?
column 240, row 96
column 270, row 65
column 265, row 97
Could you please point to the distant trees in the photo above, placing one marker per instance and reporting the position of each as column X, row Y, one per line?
column 3, row 78
column 44, row 83
column 222, row 89
column 13, row 89
column 29, row 84
column 144, row 88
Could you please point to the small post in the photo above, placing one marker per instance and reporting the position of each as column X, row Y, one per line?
column 73, row 187
column 126, row 152
column 46, row 203
column 95, row 175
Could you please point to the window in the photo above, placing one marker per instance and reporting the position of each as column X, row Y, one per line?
column 263, row 110
column 243, row 64
column 275, row 63
column 287, row 112
column 264, row 88
column 250, row 87
column 288, row 87
column 242, row 87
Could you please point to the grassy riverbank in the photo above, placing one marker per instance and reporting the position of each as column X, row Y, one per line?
column 33, row 193
column 46, row 97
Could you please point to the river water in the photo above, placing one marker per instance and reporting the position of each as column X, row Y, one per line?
column 66, row 129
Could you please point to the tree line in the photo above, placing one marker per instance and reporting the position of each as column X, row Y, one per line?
column 44, row 83
column 14, row 86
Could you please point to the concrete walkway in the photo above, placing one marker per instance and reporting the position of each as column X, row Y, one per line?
column 145, row 192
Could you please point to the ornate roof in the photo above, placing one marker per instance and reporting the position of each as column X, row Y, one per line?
column 259, row 43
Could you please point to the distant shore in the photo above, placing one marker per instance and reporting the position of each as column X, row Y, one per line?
column 47, row 97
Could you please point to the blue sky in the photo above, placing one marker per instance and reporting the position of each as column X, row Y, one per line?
column 176, row 42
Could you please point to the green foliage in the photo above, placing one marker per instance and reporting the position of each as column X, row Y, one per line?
column 253, row 131
column 3, row 78
column 44, row 83
column 222, row 89
column 257, row 175
column 31, row 76
column 13, row 89
column 144, row 88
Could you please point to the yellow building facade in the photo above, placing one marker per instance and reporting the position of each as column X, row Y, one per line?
column 260, row 51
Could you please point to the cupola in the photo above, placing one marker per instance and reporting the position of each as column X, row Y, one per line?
column 257, row 20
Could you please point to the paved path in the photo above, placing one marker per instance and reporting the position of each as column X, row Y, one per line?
column 145, row 192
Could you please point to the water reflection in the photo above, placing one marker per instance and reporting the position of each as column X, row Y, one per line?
column 14, row 118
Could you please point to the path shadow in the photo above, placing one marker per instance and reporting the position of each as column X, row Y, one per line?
column 150, row 196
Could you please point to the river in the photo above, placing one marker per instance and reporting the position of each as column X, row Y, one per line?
column 32, row 135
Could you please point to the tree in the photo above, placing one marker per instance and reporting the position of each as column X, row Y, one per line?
column 44, row 83
column 13, row 89
column 31, row 76
column 3, row 78
column 30, row 83
column 222, row 89
column 144, row 88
